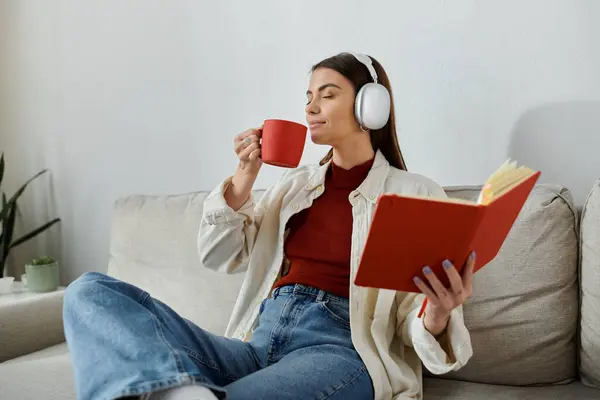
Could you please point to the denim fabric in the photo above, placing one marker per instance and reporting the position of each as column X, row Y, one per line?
column 124, row 343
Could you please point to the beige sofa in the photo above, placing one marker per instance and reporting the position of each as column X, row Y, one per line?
column 534, row 316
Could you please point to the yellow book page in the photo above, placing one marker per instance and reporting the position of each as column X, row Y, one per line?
column 502, row 180
column 507, row 176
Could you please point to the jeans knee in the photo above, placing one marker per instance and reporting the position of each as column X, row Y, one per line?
column 81, row 289
column 90, row 276
column 93, row 289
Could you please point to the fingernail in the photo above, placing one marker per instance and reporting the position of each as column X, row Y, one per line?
column 472, row 255
column 447, row 264
column 416, row 280
column 427, row 270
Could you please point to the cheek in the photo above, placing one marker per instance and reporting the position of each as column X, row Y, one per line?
column 339, row 113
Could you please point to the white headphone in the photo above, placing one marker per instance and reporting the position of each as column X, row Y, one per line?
column 372, row 104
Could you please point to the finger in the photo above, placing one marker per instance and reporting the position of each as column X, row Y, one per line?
column 245, row 134
column 254, row 155
column 439, row 289
column 467, row 274
column 247, row 141
column 456, row 282
column 243, row 137
column 433, row 299
column 245, row 154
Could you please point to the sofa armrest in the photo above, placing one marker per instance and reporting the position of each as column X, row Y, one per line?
column 30, row 322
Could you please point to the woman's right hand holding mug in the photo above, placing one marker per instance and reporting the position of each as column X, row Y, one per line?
column 247, row 148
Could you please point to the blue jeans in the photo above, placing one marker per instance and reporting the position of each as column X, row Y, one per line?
column 125, row 343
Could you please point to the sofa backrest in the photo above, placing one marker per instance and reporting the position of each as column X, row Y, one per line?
column 524, row 310
column 153, row 246
column 590, row 289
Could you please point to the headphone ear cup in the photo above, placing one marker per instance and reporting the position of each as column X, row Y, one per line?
column 372, row 106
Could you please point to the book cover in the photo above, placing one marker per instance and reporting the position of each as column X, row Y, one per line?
column 408, row 233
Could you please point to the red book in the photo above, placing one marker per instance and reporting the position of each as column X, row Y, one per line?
column 408, row 233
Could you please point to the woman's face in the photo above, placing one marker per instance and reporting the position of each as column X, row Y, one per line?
column 330, row 107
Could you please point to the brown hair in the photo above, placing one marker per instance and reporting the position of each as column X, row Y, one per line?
column 383, row 139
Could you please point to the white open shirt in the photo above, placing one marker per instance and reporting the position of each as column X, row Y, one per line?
column 386, row 332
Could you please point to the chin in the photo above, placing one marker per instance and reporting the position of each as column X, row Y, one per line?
column 318, row 138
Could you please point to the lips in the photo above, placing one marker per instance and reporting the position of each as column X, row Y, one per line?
column 316, row 124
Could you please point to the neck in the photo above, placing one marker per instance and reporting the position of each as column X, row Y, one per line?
column 353, row 152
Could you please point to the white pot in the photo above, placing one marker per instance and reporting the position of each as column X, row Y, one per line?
column 6, row 284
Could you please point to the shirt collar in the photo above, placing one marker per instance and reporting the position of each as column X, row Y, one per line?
column 371, row 188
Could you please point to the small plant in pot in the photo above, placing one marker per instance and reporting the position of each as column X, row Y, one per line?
column 9, row 210
column 42, row 275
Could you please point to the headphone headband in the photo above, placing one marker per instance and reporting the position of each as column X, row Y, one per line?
column 366, row 60
column 373, row 101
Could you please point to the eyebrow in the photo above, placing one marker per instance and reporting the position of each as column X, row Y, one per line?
column 325, row 86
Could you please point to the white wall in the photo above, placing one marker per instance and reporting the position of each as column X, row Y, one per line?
column 142, row 96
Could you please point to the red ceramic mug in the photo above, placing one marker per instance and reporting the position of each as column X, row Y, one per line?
column 282, row 142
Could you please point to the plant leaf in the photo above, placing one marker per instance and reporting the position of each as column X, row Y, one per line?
column 1, row 168
column 8, row 230
column 33, row 233
column 2, row 255
column 4, row 209
column 18, row 194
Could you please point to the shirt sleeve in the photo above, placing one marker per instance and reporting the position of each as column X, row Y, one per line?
column 226, row 237
column 448, row 353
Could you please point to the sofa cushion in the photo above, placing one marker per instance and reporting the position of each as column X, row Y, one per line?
column 49, row 352
column 435, row 389
column 153, row 246
column 46, row 374
column 590, row 289
column 523, row 313
column 30, row 323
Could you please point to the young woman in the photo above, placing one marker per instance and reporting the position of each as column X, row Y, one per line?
column 300, row 327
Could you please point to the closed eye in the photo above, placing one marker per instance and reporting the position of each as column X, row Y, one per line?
column 329, row 96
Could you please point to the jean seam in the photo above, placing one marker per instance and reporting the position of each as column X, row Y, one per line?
column 332, row 315
column 210, row 365
column 294, row 319
column 276, row 327
column 338, row 301
column 161, row 334
column 328, row 296
column 346, row 384
column 143, row 297
column 304, row 292
column 164, row 383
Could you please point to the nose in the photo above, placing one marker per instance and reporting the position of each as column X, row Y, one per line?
column 312, row 108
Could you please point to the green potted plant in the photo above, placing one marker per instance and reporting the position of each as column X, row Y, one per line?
column 8, row 215
column 42, row 274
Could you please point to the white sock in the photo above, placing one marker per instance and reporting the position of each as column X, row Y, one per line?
column 186, row 392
